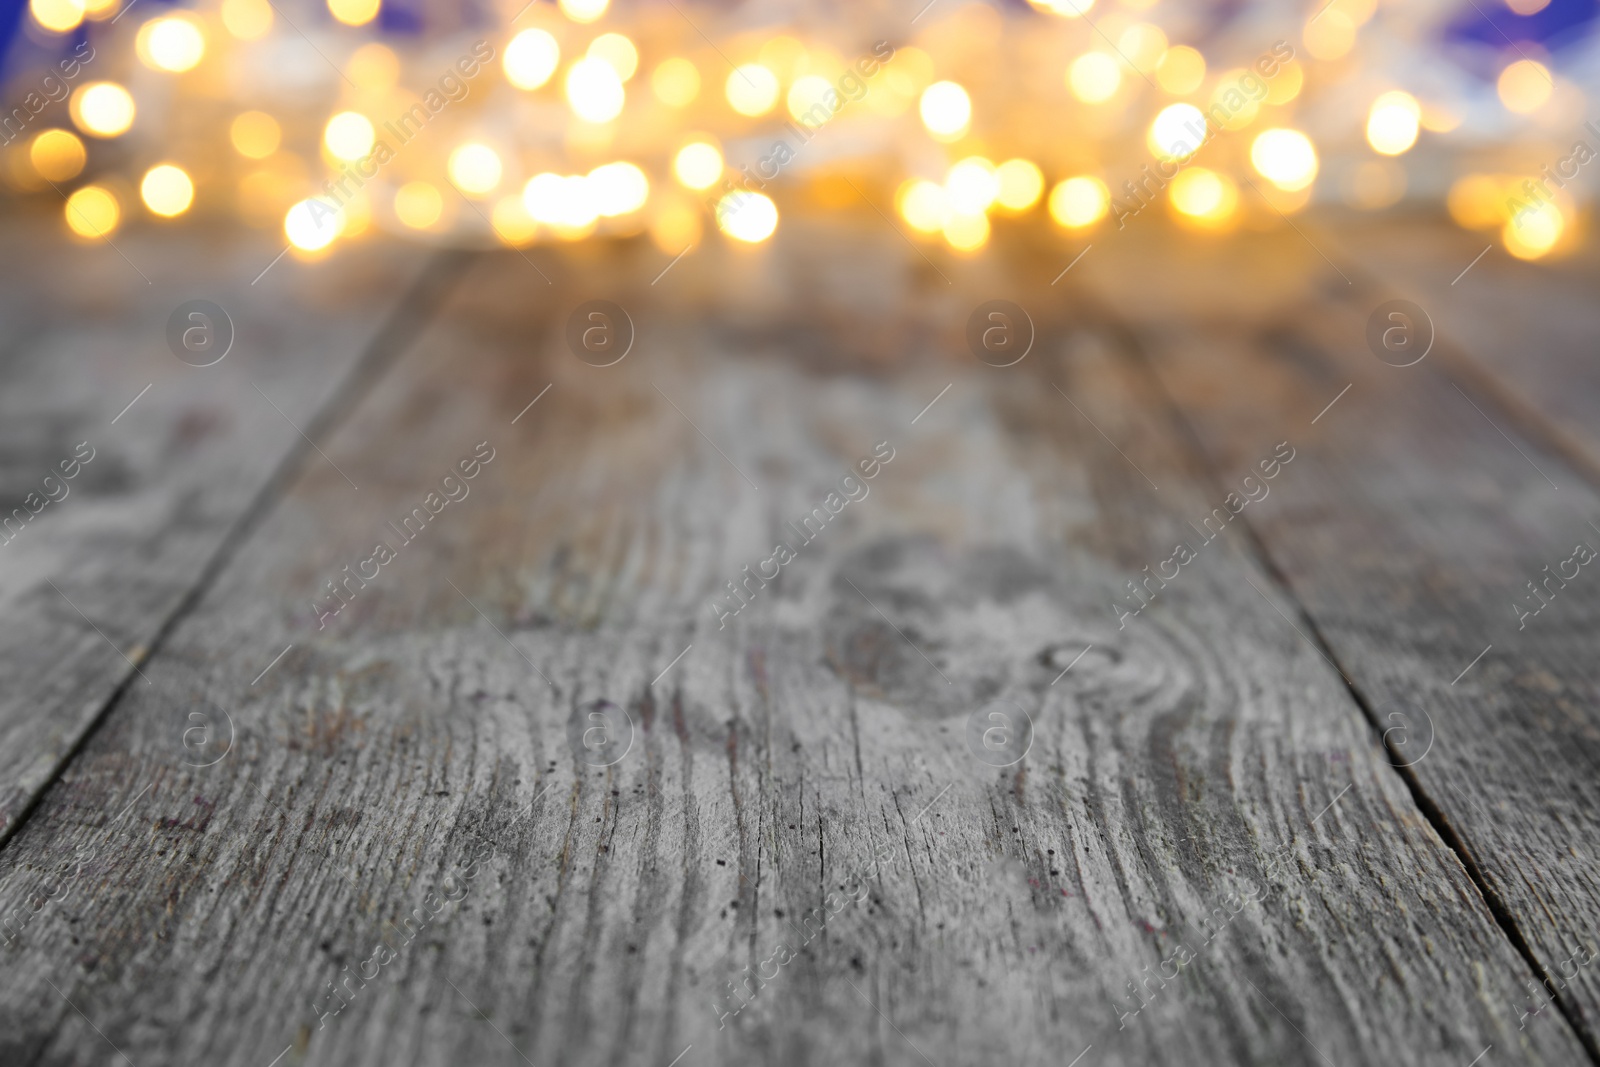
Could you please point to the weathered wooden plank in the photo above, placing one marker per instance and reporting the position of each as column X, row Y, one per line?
column 1410, row 530
column 167, row 456
column 420, row 743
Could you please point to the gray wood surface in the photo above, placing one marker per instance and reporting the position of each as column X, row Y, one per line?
column 1420, row 509
column 1202, row 757
column 90, row 581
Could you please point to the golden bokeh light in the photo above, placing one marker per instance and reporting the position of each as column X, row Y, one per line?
column 167, row 190
column 531, row 58
column 1143, row 44
column 57, row 16
column 312, row 224
column 1533, row 232
column 255, row 134
column 104, row 109
column 475, row 168
column 923, row 204
column 751, row 89
column 374, row 67
column 57, row 155
column 92, row 212
column 353, row 12
column 1094, row 77
column 566, row 202
column 1476, row 202
column 1079, row 201
column 1181, row 70
column 747, row 217
column 594, row 92
column 617, row 50
column 618, row 189
column 349, row 135
column 172, row 43
column 1177, row 132
column 418, row 205
column 676, row 82
column 676, row 227
column 946, row 110
column 1284, row 157
column 1524, row 86
column 971, row 186
column 966, row 233
column 1392, row 123
column 248, row 20
column 1330, row 35
column 697, row 165
column 1291, row 78
column 512, row 223
column 808, row 92
column 584, row 10
column 1203, row 196
column 1021, row 184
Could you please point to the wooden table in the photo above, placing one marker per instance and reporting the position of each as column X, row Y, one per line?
column 1174, row 695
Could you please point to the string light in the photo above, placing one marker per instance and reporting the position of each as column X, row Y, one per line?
column 1094, row 77
column 1079, row 202
column 57, row 16
column 57, row 155
column 248, row 20
column 697, row 165
column 92, row 212
column 676, row 82
column 584, row 10
column 617, row 50
column 946, row 110
column 167, row 190
column 172, row 43
column 104, row 109
column 1285, row 158
column 1021, row 184
column 353, row 12
column 747, row 217
column 1393, row 122
column 594, row 92
column 349, row 135
column 255, row 134
column 531, row 58
column 751, row 89
column 475, row 168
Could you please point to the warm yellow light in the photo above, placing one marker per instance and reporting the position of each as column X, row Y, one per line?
column 104, row 109
column 57, row 155
column 1527, row 7
column 531, row 58
column 248, row 20
column 617, row 50
column 1203, row 195
column 353, row 12
column 1330, row 35
column 418, row 205
column 167, row 190
column 1237, row 110
column 1094, row 77
column 255, row 134
column 1392, row 123
column 594, row 92
column 676, row 82
column 92, row 212
column 971, row 186
column 675, row 226
column 1143, row 44
column 1078, row 202
column 100, row 9
column 946, row 110
column 312, row 224
column 1287, row 85
column 1066, row 8
column 1285, row 158
column 1475, row 202
column 810, row 92
column 58, row 16
column 618, row 189
column 697, row 165
column 1021, row 184
column 373, row 66
column 1181, row 70
column 1177, row 131
column 474, row 168
column 584, row 10
column 924, row 205
column 349, row 135
column 966, row 233
column 1533, row 232
column 748, row 217
column 565, row 202
column 1524, row 86
column 512, row 223
column 751, row 89
column 172, row 43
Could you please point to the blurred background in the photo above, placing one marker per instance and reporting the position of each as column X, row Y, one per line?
column 516, row 123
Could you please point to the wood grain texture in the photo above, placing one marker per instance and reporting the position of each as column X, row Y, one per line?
column 419, row 743
column 88, row 583
column 1409, row 532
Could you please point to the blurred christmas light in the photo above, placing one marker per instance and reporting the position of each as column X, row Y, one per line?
column 675, row 82
column 617, row 50
column 966, row 233
column 1094, row 77
column 946, row 110
column 475, row 168
column 751, row 89
column 255, row 134
column 594, row 92
column 92, row 212
column 747, row 217
column 167, row 190
column 311, row 225
column 353, row 12
column 1285, row 158
column 1181, row 70
column 530, row 59
column 1533, row 232
column 618, row 189
column 172, row 43
column 924, row 205
column 1393, row 122
column 104, row 109
column 349, row 135
column 1021, row 184
column 1203, row 196
column 971, row 186
column 1177, row 131
column 698, row 165
column 248, row 20
column 374, row 67
column 418, row 205
column 1079, row 201
column 584, row 10
column 57, row 155
column 1330, row 35
column 57, row 16
column 1524, row 86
